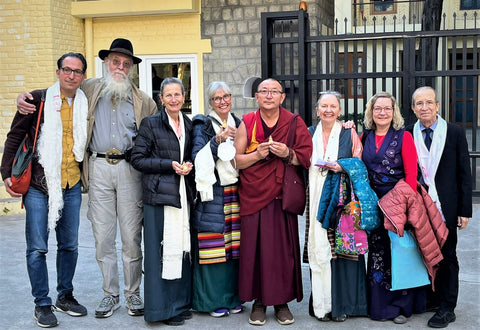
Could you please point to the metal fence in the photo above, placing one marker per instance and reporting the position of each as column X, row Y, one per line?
column 388, row 54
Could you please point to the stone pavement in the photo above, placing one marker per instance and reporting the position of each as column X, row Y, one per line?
column 16, row 302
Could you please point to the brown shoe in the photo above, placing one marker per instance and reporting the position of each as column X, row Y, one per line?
column 257, row 316
column 283, row 314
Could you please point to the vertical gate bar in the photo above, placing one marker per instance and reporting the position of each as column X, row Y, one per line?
column 318, row 56
column 423, row 56
column 475, row 95
column 355, row 82
column 364, row 69
column 303, row 106
column 346, row 81
column 394, row 67
column 464, row 82
column 475, row 112
column 328, row 64
column 374, row 65
column 453, row 96
column 409, row 74
column 384, row 64
column 445, row 81
column 265, row 46
column 336, row 65
column 350, row 85
column 308, row 68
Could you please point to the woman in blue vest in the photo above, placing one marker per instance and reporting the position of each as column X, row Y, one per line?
column 389, row 154
column 338, row 283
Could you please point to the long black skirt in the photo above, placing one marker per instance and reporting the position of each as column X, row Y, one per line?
column 163, row 298
column 349, row 287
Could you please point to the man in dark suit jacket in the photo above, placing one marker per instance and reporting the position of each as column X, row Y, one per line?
column 445, row 167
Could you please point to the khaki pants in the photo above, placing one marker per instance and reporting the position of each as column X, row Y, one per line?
column 115, row 192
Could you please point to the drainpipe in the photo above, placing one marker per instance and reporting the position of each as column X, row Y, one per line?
column 89, row 47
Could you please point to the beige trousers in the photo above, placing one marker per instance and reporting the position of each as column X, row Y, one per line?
column 115, row 196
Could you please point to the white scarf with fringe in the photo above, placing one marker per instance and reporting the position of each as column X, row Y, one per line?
column 429, row 159
column 50, row 145
column 319, row 251
column 176, row 222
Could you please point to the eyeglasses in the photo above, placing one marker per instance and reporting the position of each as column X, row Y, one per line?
column 379, row 109
column 274, row 92
column 169, row 97
column 126, row 64
column 76, row 72
column 225, row 98
column 421, row 104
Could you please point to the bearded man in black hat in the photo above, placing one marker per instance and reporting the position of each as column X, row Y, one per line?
column 116, row 108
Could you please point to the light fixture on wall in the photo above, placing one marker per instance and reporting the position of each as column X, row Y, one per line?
column 250, row 87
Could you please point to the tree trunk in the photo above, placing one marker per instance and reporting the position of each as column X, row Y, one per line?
column 431, row 21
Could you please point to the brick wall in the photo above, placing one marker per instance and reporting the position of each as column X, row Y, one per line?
column 33, row 35
column 234, row 29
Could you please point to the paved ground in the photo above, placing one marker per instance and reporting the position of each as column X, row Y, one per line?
column 16, row 303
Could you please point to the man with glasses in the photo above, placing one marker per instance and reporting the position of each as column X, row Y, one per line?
column 445, row 169
column 116, row 108
column 54, row 197
column 270, row 270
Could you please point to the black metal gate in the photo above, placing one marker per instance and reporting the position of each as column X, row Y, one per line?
column 372, row 59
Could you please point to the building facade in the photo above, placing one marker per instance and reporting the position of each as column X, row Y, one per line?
column 198, row 41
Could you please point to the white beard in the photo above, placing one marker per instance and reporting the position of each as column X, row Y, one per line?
column 117, row 89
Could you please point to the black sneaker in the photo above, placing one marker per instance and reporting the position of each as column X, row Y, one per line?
column 70, row 306
column 186, row 315
column 45, row 317
column 441, row 319
column 175, row 321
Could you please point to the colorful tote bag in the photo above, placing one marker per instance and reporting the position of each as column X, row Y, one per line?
column 350, row 239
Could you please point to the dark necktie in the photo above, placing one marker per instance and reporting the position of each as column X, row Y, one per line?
column 428, row 139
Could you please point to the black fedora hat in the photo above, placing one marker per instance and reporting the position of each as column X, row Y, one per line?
column 122, row 46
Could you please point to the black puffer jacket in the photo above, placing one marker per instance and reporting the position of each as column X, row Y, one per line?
column 208, row 216
column 156, row 147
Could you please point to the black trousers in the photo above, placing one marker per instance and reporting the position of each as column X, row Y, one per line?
column 446, row 281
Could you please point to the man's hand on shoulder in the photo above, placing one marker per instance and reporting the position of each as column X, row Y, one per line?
column 349, row 124
column 23, row 106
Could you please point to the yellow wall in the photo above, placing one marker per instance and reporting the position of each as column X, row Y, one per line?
column 30, row 45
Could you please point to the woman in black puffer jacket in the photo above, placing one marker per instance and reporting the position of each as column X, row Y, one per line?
column 162, row 152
